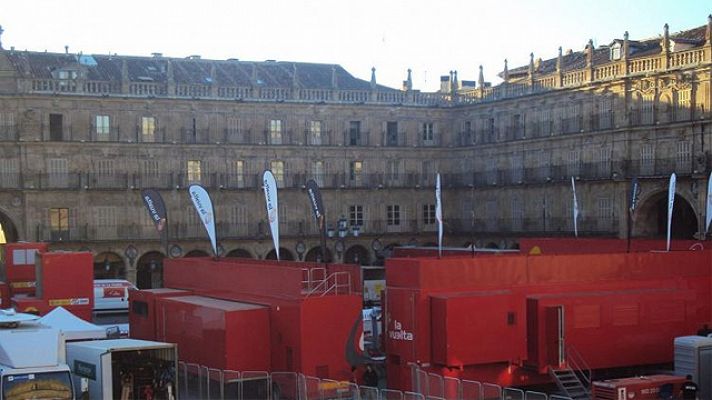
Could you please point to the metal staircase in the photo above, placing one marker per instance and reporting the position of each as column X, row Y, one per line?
column 574, row 376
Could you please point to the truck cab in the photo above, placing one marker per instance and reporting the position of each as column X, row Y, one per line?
column 32, row 360
column 36, row 383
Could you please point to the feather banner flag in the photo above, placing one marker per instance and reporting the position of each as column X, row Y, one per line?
column 204, row 206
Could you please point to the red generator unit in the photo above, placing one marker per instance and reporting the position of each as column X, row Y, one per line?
column 63, row 279
column 20, row 266
column 142, row 310
column 652, row 387
column 233, row 335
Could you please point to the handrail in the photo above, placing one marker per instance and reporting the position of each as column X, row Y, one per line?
column 577, row 363
column 335, row 283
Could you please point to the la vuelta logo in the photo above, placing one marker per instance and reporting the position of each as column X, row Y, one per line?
column 398, row 333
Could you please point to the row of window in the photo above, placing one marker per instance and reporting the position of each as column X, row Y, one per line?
column 275, row 131
column 61, row 223
column 570, row 117
column 104, row 170
column 59, row 218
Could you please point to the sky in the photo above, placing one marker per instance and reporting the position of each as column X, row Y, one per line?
column 430, row 37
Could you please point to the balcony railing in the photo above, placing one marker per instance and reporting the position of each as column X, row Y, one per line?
column 603, row 170
column 533, row 226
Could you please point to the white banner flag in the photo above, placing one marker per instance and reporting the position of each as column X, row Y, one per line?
column 671, row 201
column 270, row 188
column 576, row 210
column 439, row 215
column 204, row 206
column 708, row 212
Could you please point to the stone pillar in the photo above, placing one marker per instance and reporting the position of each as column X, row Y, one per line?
column 130, row 267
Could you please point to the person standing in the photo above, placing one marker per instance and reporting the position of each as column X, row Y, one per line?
column 689, row 389
column 370, row 377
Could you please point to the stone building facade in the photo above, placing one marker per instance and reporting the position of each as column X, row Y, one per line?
column 81, row 135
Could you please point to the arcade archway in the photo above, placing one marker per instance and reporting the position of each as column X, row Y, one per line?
column 284, row 254
column 8, row 231
column 314, row 255
column 149, row 270
column 109, row 265
column 196, row 253
column 651, row 218
column 357, row 254
column 239, row 253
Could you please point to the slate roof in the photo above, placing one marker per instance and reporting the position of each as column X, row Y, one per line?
column 639, row 48
column 271, row 74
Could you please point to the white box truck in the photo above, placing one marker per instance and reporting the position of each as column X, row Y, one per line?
column 124, row 368
column 32, row 360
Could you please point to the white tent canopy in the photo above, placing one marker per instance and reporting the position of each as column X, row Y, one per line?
column 73, row 327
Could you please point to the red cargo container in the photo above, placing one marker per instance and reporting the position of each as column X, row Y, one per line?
column 142, row 314
column 217, row 333
column 20, row 266
column 639, row 388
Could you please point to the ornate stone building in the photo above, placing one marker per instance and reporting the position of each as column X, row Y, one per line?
column 81, row 135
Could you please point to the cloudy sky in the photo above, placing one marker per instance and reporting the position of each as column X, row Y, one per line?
column 430, row 37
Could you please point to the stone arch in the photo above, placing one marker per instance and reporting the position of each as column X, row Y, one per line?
column 149, row 270
column 239, row 253
column 284, row 254
column 196, row 253
column 8, row 229
column 314, row 255
column 650, row 219
column 109, row 265
column 665, row 107
column 357, row 254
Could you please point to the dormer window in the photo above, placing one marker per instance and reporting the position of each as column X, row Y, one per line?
column 65, row 74
column 616, row 52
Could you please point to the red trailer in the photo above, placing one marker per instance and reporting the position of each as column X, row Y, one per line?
column 510, row 319
column 314, row 311
column 20, row 265
column 63, row 279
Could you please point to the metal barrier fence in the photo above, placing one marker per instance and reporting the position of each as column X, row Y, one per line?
column 200, row 382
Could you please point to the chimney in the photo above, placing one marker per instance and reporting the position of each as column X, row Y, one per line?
column 1, row 31
column 444, row 83
column 66, row 49
column 409, row 81
column 481, row 79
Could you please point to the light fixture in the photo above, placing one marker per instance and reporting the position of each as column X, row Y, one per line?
column 107, row 264
column 343, row 227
